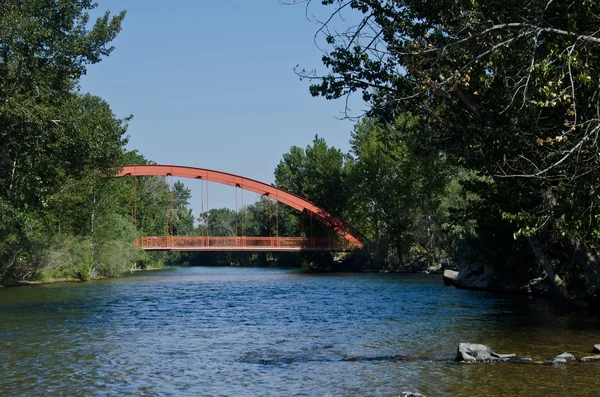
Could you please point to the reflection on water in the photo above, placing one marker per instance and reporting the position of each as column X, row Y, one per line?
column 238, row 331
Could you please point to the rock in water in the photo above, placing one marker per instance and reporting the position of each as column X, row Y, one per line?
column 525, row 360
column 450, row 277
column 566, row 356
column 596, row 349
column 473, row 352
column 590, row 358
column 559, row 361
column 410, row 394
column 477, row 276
column 540, row 287
column 350, row 357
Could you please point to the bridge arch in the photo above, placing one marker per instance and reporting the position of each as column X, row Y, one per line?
column 252, row 185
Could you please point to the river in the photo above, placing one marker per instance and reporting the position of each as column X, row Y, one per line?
column 225, row 331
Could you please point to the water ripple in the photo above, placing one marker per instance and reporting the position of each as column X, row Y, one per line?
column 264, row 332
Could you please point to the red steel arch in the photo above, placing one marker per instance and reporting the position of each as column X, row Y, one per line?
column 252, row 185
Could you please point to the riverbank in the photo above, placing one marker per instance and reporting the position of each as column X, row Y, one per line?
column 55, row 280
column 535, row 283
column 147, row 269
column 40, row 282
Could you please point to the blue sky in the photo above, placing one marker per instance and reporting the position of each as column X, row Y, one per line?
column 211, row 85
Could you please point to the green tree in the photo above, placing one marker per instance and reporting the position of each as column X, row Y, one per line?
column 397, row 187
column 181, row 216
column 510, row 90
column 51, row 136
column 218, row 222
column 318, row 173
column 50, row 132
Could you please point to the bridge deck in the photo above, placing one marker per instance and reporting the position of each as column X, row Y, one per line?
column 241, row 244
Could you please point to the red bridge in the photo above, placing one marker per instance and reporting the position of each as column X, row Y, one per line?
column 225, row 243
column 346, row 241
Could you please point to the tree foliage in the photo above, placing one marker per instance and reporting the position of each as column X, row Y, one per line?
column 56, row 142
column 508, row 90
column 318, row 173
column 510, row 87
column 396, row 187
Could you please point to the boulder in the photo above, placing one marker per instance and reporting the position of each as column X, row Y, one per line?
column 435, row 270
column 410, row 394
column 450, row 277
column 559, row 361
column 590, row 358
column 540, row 287
column 350, row 357
column 596, row 349
column 566, row 356
column 476, row 276
column 472, row 352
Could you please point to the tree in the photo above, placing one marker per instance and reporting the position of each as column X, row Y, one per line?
column 181, row 217
column 53, row 138
column 396, row 187
column 510, row 90
column 317, row 173
column 218, row 222
column 44, row 49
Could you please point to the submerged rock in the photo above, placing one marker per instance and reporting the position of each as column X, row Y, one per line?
column 410, row 394
column 450, row 277
column 590, row 358
column 525, row 360
column 566, row 356
column 473, row 352
column 353, row 357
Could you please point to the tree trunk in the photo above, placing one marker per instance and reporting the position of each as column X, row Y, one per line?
column 544, row 261
column 588, row 260
column 400, row 256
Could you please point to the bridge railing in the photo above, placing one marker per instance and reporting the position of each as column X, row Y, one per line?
column 224, row 242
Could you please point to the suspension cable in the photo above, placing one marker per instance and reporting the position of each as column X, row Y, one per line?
column 134, row 207
column 207, row 212
column 172, row 212
column 243, row 234
column 168, row 205
column 201, row 206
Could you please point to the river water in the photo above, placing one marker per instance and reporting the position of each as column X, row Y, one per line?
column 223, row 331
